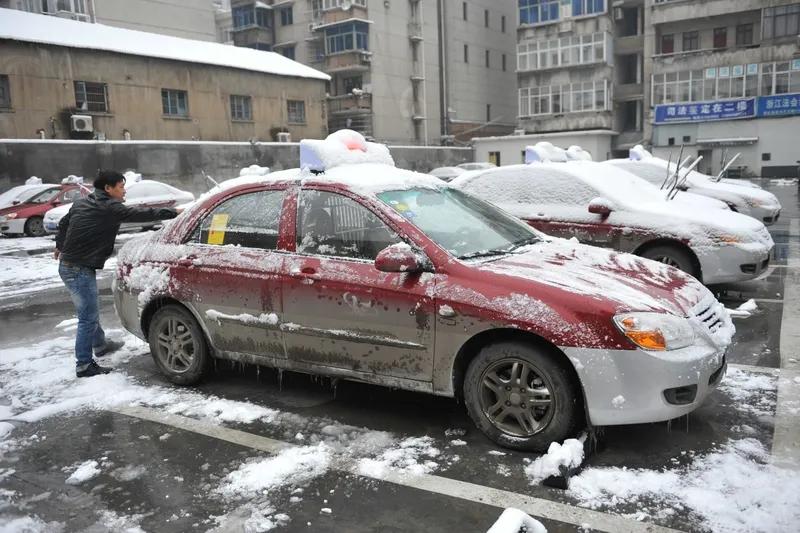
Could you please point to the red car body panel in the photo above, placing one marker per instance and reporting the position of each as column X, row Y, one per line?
column 27, row 210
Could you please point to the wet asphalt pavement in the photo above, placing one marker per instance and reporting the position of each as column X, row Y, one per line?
column 174, row 488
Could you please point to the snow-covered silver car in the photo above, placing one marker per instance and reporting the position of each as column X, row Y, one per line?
column 752, row 201
column 446, row 173
column 602, row 206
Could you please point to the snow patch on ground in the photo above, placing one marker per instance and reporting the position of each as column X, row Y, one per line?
column 513, row 521
column 85, row 471
column 567, row 455
column 412, row 456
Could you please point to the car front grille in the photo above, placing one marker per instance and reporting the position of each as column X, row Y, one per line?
column 709, row 313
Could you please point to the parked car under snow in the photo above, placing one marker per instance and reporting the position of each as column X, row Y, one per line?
column 144, row 193
column 355, row 269
column 26, row 216
column 603, row 206
column 748, row 200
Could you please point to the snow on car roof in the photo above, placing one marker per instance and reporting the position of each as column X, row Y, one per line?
column 30, row 27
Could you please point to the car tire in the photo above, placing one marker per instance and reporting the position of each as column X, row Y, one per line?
column 672, row 256
column 178, row 345
column 495, row 377
column 34, row 227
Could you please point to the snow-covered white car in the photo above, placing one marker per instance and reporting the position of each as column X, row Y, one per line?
column 602, row 206
column 476, row 166
column 446, row 173
column 22, row 193
column 144, row 193
column 753, row 201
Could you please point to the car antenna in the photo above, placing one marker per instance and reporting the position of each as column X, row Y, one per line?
column 209, row 178
column 669, row 162
column 725, row 168
column 679, row 183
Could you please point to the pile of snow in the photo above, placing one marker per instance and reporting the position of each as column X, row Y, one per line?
column 343, row 147
column 72, row 179
column 567, row 455
column 131, row 176
column 84, row 472
column 745, row 310
column 515, row 521
column 545, row 152
column 412, row 456
column 149, row 280
column 264, row 318
column 576, row 153
column 33, row 180
column 254, row 170
column 638, row 153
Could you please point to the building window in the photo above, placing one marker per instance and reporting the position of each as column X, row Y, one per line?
column 466, row 54
column 535, row 11
column 503, row 23
column 668, row 43
column 241, row 107
column 287, row 16
column 720, row 37
column 487, row 58
column 27, row 5
column 575, row 50
column 73, row 6
column 781, row 21
column 464, row 10
column 744, row 34
column 5, row 92
column 485, row 18
column 587, row 7
column 296, row 110
column 250, row 15
column 780, row 78
column 174, row 102
column 334, row 4
column 671, row 141
column 494, row 157
column 718, row 83
column 687, row 138
column 91, row 96
column 766, row 156
column 568, row 98
column 691, row 41
column 488, row 112
column 353, row 82
column 287, row 51
column 504, row 62
column 344, row 37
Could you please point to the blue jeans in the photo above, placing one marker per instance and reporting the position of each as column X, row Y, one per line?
column 82, row 285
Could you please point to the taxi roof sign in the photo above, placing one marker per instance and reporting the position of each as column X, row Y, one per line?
column 343, row 147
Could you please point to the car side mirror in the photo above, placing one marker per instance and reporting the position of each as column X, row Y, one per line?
column 400, row 257
column 15, row 202
column 601, row 206
column 683, row 188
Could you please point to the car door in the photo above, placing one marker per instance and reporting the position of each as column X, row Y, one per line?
column 232, row 273
column 339, row 310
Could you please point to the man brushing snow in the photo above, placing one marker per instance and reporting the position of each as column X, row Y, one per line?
column 85, row 240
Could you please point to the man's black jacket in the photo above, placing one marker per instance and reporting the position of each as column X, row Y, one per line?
column 86, row 234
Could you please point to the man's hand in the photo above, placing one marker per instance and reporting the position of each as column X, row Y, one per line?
column 57, row 253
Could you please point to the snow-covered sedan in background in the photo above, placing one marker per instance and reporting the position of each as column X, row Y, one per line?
column 27, row 217
column 748, row 200
column 602, row 206
column 352, row 268
column 446, row 173
column 21, row 193
column 144, row 193
column 476, row 166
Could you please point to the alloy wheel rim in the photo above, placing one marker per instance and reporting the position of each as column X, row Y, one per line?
column 37, row 227
column 667, row 260
column 176, row 345
column 516, row 397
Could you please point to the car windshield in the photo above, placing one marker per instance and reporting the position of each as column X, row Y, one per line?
column 44, row 196
column 465, row 226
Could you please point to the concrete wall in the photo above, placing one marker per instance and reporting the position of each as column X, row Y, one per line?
column 190, row 19
column 180, row 164
column 43, row 96
column 598, row 143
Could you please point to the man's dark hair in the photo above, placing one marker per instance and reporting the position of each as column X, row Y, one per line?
column 107, row 177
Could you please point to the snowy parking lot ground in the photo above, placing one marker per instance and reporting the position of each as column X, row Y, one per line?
column 254, row 450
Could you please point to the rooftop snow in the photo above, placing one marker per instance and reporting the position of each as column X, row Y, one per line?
column 29, row 27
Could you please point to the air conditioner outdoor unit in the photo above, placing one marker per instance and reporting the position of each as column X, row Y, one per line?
column 81, row 123
column 284, row 137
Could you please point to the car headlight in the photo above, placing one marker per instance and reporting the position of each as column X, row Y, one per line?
column 656, row 331
column 11, row 216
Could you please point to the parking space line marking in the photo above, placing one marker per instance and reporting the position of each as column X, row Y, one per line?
column 759, row 369
column 769, row 300
column 536, row 507
column 786, row 439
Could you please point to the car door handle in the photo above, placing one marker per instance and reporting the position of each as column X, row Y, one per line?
column 186, row 261
column 309, row 273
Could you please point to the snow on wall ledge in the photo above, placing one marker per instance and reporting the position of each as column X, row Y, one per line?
column 33, row 28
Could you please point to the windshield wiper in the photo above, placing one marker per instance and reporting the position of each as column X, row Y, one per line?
column 524, row 242
column 483, row 253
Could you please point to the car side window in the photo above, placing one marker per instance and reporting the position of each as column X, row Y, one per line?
column 332, row 224
column 250, row 220
column 70, row 195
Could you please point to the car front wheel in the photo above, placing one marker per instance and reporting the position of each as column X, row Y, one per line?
column 522, row 397
column 178, row 345
column 34, row 227
column 672, row 256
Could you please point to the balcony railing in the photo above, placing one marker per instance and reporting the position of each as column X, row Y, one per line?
column 350, row 103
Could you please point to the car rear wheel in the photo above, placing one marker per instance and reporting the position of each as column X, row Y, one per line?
column 34, row 227
column 672, row 256
column 522, row 397
column 178, row 345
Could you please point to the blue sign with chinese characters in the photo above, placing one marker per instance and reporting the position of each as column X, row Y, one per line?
column 704, row 111
column 779, row 105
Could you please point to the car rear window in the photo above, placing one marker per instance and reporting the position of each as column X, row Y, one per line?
column 249, row 220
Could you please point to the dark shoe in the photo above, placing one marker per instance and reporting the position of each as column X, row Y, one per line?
column 93, row 369
column 110, row 347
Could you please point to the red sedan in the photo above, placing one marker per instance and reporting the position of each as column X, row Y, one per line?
column 28, row 217
column 355, row 269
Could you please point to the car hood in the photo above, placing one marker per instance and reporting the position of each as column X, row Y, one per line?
column 748, row 193
column 14, row 208
column 625, row 281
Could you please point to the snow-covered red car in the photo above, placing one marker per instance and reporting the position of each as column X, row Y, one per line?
column 351, row 268
column 604, row 206
column 27, row 217
column 144, row 193
column 743, row 197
